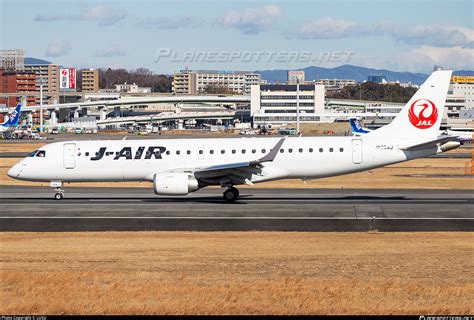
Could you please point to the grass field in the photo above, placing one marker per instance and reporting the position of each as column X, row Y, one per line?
column 236, row 273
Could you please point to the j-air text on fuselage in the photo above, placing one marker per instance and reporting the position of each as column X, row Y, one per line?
column 181, row 166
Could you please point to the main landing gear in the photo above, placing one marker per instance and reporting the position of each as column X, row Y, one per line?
column 231, row 194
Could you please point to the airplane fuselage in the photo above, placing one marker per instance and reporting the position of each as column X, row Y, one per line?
column 139, row 160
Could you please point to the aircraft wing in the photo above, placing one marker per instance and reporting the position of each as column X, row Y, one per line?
column 431, row 143
column 235, row 172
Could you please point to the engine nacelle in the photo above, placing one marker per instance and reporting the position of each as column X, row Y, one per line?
column 175, row 184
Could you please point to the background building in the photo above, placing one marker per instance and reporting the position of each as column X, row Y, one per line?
column 460, row 96
column 202, row 81
column 90, row 80
column 335, row 84
column 277, row 103
column 12, row 60
column 131, row 88
column 17, row 84
column 377, row 79
column 48, row 73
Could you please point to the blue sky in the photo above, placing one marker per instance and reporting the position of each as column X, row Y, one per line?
column 166, row 36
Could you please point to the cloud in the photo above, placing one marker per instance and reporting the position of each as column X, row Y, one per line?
column 101, row 14
column 251, row 20
column 330, row 28
column 171, row 22
column 427, row 35
column 57, row 48
column 468, row 45
column 110, row 52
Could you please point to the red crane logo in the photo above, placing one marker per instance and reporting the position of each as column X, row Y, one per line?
column 418, row 117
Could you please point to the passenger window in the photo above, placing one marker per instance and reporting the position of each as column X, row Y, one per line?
column 41, row 154
column 253, row 150
column 282, row 150
column 87, row 154
column 32, row 154
column 243, row 151
column 331, row 149
column 320, row 149
column 188, row 152
column 263, row 150
column 222, row 151
column 233, row 151
column 341, row 149
column 178, row 152
column 168, row 152
column 310, row 149
column 290, row 150
column 201, row 151
column 211, row 151
column 300, row 150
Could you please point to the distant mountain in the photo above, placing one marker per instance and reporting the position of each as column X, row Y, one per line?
column 351, row 72
column 464, row 73
column 30, row 60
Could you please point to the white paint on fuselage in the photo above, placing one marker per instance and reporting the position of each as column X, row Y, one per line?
column 377, row 152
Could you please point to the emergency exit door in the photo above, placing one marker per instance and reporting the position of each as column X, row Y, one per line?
column 69, row 155
column 357, row 151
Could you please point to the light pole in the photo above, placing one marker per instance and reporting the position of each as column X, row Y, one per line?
column 298, row 106
column 41, row 104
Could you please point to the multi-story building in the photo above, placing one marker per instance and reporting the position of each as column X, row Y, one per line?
column 201, row 81
column 12, row 60
column 90, row 80
column 48, row 74
column 460, row 95
column 377, row 79
column 278, row 103
column 335, row 84
column 17, row 84
column 131, row 88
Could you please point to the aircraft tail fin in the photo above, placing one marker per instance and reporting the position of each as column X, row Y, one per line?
column 357, row 127
column 13, row 120
column 421, row 116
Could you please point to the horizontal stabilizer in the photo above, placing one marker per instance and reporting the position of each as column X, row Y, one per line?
column 431, row 143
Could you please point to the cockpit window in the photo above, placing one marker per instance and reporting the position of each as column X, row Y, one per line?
column 32, row 154
column 41, row 154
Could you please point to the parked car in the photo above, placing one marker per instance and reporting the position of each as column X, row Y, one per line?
column 78, row 130
column 54, row 131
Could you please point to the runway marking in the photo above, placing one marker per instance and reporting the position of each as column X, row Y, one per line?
column 240, row 218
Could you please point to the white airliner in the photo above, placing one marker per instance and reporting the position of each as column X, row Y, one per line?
column 181, row 166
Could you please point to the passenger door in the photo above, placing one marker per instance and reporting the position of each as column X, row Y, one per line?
column 69, row 155
column 357, row 151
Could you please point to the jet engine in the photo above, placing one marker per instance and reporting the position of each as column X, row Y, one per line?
column 174, row 184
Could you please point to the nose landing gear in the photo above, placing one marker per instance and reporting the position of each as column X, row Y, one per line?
column 59, row 193
column 231, row 194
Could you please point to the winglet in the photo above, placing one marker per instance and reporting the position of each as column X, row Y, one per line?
column 273, row 152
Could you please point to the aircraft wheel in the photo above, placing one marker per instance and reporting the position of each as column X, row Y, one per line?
column 231, row 194
column 58, row 196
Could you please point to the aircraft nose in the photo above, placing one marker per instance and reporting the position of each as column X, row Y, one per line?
column 14, row 171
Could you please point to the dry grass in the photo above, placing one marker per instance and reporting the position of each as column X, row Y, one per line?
column 236, row 273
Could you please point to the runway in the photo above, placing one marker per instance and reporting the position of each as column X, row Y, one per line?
column 134, row 209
